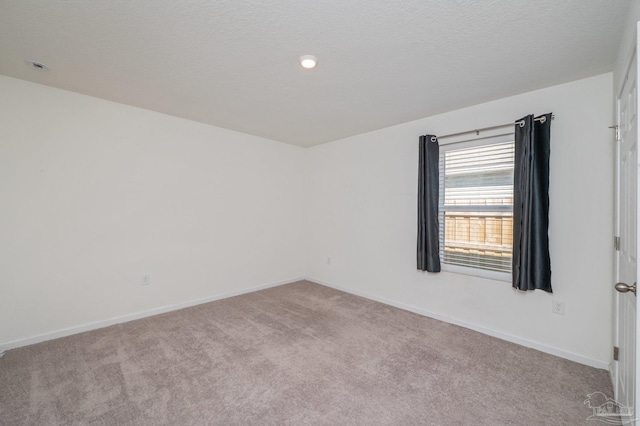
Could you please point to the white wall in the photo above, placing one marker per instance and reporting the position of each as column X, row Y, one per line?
column 362, row 213
column 94, row 194
column 626, row 44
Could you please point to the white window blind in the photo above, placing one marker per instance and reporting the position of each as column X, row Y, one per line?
column 476, row 205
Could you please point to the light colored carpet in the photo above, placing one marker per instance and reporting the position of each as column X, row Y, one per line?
column 296, row 354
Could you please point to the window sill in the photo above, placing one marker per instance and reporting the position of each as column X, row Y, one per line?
column 475, row 272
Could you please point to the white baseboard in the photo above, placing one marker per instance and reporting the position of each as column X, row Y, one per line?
column 500, row 335
column 5, row 346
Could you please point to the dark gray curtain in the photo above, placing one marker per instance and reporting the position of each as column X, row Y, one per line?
column 428, row 194
column 531, row 262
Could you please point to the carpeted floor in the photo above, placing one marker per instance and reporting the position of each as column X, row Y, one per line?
column 296, row 354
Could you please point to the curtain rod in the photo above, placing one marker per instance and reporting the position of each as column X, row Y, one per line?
column 484, row 129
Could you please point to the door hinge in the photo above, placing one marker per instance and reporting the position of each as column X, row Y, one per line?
column 616, row 352
column 616, row 243
column 617, row 129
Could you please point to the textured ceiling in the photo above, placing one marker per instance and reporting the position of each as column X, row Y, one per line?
column 234, row 64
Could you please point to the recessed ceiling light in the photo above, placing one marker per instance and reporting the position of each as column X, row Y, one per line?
column 308, row 61
column 38, row 65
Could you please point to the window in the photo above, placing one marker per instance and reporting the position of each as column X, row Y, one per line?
column 476, row 207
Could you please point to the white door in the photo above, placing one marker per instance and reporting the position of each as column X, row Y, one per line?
column 627, row 224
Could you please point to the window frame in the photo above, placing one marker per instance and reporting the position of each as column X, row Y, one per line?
column 458, row 269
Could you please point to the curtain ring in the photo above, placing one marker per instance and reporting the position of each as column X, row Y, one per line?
column 543, row 119
column 521, row 123
column 433, row 139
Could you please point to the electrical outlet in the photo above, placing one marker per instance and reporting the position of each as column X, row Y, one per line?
column 145, row 279
column 557, row 307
